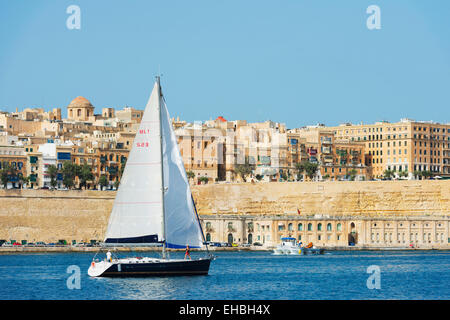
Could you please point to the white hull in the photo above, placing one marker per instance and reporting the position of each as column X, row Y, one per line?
column 97, row 268
column 287, row 251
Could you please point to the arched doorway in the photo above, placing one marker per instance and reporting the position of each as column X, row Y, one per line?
column 230, row 238
column 352, row 235
column 250, row 238
column 208, row 237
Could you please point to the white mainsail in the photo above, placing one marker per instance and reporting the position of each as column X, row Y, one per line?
column 140, row 214
column 181, row 221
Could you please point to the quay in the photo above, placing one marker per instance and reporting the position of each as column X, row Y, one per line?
column 71, row 249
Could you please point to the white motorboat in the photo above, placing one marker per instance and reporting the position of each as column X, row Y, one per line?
column 289, row 246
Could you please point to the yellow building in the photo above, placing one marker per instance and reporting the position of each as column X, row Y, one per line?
column 405, row 146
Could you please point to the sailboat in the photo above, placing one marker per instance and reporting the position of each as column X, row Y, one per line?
column 153, row 205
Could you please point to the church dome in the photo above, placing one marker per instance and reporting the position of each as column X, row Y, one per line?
column 80, row 102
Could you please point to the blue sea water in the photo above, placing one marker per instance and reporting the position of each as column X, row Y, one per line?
column 340, row 275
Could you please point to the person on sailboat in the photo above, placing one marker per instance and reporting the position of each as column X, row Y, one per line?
column 108, row 257
column 187, row 253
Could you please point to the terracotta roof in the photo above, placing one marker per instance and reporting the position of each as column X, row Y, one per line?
column 221, row 119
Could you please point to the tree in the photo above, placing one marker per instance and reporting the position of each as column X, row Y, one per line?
column 427, row 174
column 85, row 174
column 352, row 174
column 300, row 167
column 103, row 181
column 25, row 180
column 327, row 176
column 243, row 169
column 403, row 174
column 7, row 173
column 417, row 174
column 203, row 179
column 190, row 174
column 311, row 169
column 4, row 174
column 259, row 177
column 388, row 174
column 52, row 171
column 69, row 171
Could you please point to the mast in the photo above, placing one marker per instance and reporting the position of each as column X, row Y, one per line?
column 162, row 169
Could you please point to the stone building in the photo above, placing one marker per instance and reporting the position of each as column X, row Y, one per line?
column 406, row 145
column 80, row 109
column 328, row 231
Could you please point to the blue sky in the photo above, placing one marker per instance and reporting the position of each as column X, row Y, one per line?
column 299, row 62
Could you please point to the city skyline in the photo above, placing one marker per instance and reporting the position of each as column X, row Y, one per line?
column 250, row 61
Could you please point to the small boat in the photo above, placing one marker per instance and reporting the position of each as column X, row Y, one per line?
column 153, row 205
column 289, row 246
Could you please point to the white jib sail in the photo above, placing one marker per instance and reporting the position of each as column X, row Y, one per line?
column 137, row 213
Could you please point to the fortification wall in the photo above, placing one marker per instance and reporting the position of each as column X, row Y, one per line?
column 368, row 198
column 42, row 215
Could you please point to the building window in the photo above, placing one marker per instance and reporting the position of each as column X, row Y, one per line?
column 309, row 226
column 319, row 227
column 300, row 227
column 329, row 227
column 339, row 227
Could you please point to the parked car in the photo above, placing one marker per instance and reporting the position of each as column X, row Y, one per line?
column 30, row 244
column 245, row 245
column 17, row 244
column 50, row 244
column 234, row 244
column 40, row 244
column 81, row 244
column 257, row 244
column 6, row 244
column 215, row 244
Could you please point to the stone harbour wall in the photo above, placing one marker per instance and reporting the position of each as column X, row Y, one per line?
column 340, row 198
column 43, row 215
